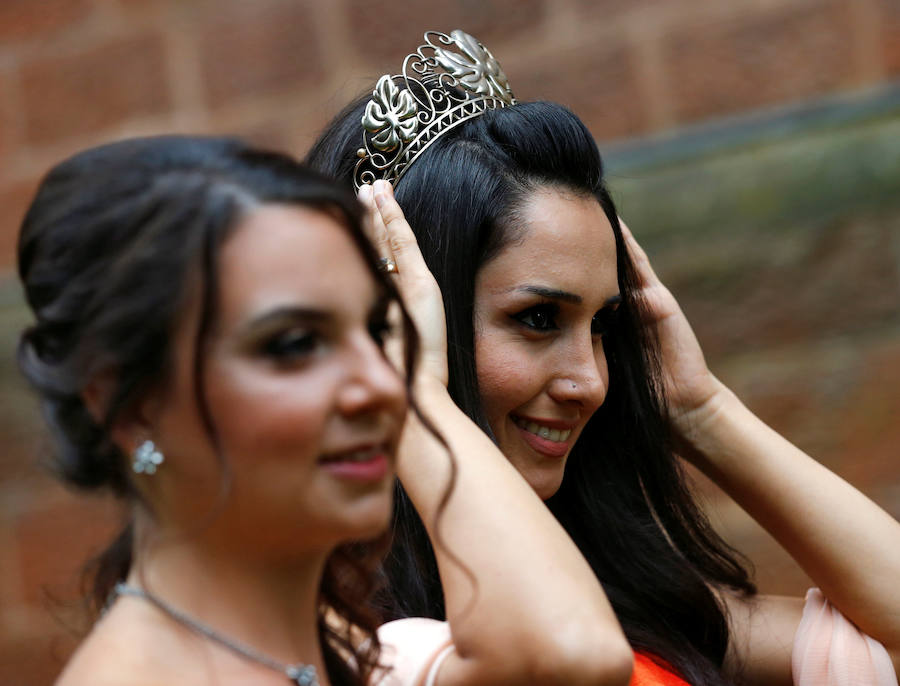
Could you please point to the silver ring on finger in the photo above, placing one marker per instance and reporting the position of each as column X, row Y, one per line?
column 387, row 265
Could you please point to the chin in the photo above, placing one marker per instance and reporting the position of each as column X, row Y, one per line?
column 378, row 526
column 545, row 484
column 543, row 474
column 371, row 519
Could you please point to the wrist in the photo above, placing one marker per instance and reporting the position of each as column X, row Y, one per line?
column 699, row 430
column 427, row 389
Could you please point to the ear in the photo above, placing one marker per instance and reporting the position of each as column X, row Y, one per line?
column 96, row 395
column 132, row 425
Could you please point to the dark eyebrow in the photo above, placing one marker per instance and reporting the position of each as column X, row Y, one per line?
column 306, row 315
column 551, row 293
column 565, row 296
column 287, row 314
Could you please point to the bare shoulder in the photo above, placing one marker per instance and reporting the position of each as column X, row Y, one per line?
column 115, row 653
column 102, row 658
column 762, row 631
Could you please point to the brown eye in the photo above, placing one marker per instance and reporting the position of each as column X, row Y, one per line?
column 290, row 345
column 539, row 317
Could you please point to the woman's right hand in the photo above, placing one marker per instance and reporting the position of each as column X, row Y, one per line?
column 394, row 240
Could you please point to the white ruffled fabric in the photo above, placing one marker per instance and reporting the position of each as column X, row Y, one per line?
column 414, row 650
column 830, row 651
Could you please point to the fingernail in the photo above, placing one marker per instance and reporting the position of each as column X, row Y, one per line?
column 379, row 190
column 365, row 191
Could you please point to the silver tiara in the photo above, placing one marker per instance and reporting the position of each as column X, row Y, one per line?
column 437, row 89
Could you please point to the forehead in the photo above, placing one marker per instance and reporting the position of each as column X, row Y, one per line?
column 290, row 255
column 564, row 241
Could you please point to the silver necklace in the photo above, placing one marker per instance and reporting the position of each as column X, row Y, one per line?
column 299, row 674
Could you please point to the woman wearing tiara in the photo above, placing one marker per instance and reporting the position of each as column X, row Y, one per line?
column 209, row 345
column 567, row 350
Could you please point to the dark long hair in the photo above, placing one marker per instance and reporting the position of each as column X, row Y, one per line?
column 624, row 499
column 106, row 254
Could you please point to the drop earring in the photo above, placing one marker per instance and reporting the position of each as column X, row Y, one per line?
column 146, row 458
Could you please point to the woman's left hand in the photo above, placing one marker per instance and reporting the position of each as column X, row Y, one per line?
column 690, row 386
column 842, row 540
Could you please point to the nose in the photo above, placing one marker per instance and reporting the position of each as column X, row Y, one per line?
column 371, row 383
column 582, row 376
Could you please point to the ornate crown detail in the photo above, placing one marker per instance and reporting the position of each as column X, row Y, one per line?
column 437, row 89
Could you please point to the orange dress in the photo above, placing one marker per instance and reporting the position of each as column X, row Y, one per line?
column 415, row 648
column 648, row 673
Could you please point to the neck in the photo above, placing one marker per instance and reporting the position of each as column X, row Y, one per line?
column 268, row 605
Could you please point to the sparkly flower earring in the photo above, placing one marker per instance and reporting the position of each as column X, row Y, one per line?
column 146, row 458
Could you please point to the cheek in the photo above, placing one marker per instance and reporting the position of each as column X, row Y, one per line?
column 603, row 367
column 505, row 377
column 263, row 414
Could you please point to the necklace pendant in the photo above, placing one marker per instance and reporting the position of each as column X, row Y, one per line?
column 302, row 675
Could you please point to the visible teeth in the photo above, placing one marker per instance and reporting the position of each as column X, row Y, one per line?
column 557, row 435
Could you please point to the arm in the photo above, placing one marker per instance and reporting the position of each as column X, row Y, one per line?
column 536, row 613
column 847, row 544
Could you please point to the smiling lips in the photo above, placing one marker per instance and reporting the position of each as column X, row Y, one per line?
column 547, row 440
column 362, row 464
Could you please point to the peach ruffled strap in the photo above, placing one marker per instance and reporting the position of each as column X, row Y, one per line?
column 830, row 651
column 412, row 650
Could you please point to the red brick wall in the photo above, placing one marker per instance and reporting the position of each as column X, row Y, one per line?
column 74, row 72
column 77, row 72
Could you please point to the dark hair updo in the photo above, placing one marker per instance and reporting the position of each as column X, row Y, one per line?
column 112, row 244
column 623, row 499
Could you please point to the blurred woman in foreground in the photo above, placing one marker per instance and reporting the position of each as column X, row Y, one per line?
column 208, row 345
